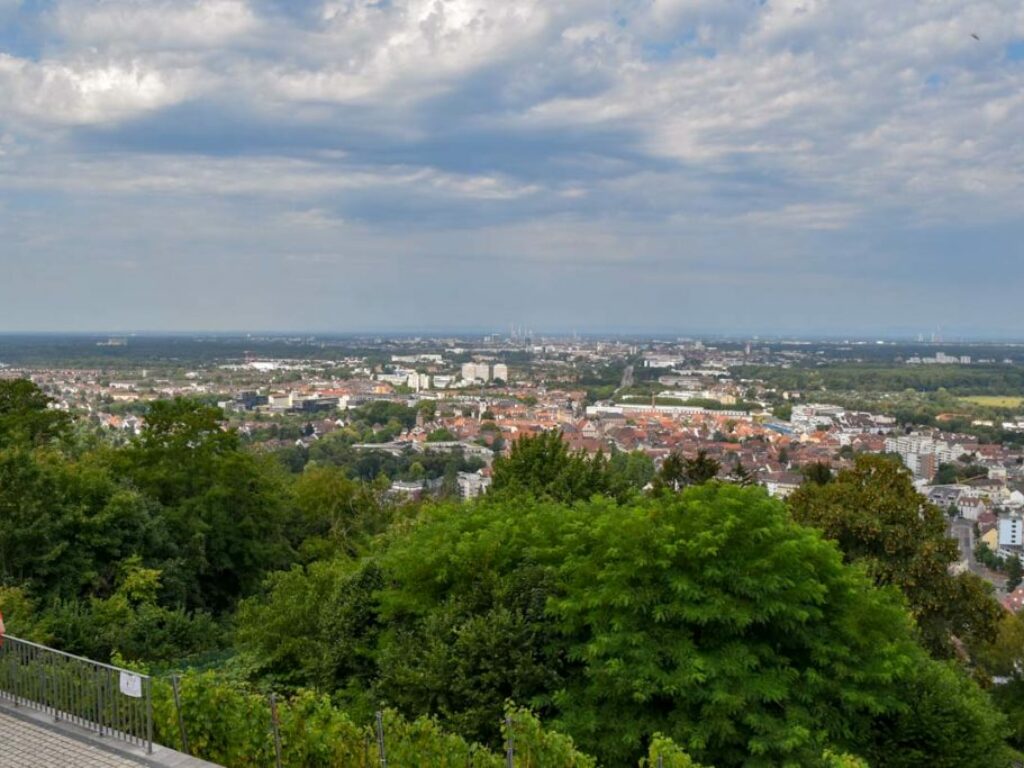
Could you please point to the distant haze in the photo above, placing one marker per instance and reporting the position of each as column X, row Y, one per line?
column 788, row 166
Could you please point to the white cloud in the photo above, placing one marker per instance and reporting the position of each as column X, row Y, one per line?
column 809, row 114
column 145, row 24
column 824, row 216
column 273, row 178
column 86, row 92
column 408, row 50
column 829, row 96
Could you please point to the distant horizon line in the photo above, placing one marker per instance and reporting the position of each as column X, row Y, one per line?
column 861, row 337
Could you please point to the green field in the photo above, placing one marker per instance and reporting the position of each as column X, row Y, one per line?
column 995, row 401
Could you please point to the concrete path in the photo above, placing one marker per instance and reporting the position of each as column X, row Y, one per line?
column 23, row 745
column 32, row 740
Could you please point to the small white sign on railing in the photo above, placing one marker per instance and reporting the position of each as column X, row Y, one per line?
column 131, row 685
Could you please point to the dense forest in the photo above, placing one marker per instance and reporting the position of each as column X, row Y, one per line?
column 989, row 379
column 699, row 621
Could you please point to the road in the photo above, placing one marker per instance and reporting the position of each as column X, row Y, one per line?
column 627, row 377
column 963, row 532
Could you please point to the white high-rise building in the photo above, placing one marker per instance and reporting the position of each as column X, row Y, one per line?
column 501, row 371
column 419, row 381
column 476, row 372
column 912, row 449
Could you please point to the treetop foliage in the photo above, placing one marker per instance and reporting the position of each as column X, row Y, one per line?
column 26, row 417
column 707, row 616
column 875, row 515
column 542, row 466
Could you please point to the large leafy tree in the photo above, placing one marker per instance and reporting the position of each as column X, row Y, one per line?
column 226, row 510
column 70, row 529
column 26, row 415
column 707, row 616
column 543, row 467
column 700, row 469
column 631, row 470
column 65, row 522
column 1003, row 660
column 317, row 629
column 877, row 517
column 678, row 471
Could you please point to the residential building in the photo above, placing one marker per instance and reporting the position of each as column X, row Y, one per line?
column 1011, row 531
column 477, row 372
column 472, row 484
column 915, row 447
column 418, row 381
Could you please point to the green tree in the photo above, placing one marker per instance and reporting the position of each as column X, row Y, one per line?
column 1014, row 573
column 1003, row 658
column 700, row 469
column 946, row 474
column 876, row 516
column 707, row 616
column 225, row 510
column 65, row 524
column 27, row 416
column 949, row 723
column 672, row 473
column 543, row 466
column 384, row 411
column 316, row 628
column 332, row 512
column 630, row 471
column 818, row 472
column 129, row 623
column 427, row 409
column 741, row 475
column 179, row 448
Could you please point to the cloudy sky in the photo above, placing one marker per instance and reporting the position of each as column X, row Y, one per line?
column 814, row 166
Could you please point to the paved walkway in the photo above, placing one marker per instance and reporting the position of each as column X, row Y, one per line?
column 30, row 739
column 23, row 745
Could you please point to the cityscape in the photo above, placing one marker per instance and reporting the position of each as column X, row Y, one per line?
column 511, row 384
column 752, row 406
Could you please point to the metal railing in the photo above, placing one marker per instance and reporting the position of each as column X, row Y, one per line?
column 100, row 697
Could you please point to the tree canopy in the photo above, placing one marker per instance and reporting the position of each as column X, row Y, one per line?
column 26, row 415
column 542, row 466
column 707, row 616
column 878, row 519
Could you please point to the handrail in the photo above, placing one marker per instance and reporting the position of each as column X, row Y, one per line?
column 112, row 701
column 67, row 655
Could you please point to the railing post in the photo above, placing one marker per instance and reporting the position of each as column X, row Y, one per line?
column 101, row 683
column 14, row 653
column 42, row 686
column 55, row 695
column 510, row 753
column 276, row 728
column 181, row 717
column 380, row 740
column 149, row 714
